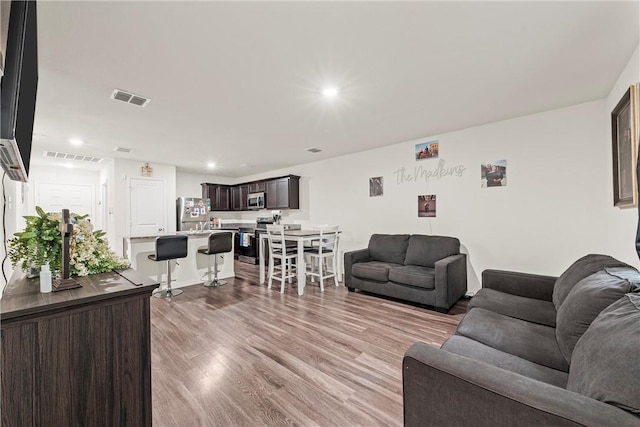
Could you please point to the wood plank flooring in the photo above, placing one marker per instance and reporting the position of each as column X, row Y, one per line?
column 244, row 355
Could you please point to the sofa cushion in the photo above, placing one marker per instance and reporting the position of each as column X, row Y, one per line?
column 529, row 309
column 388, row 247
column 426, row 250
column 585, row 301
column 530, row 341
column 585, row 266
column 413, row 275
column 605, row 364
column 473, row 349
column 372, row 270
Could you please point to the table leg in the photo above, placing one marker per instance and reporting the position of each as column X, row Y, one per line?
column 302, row 277
column 261, row 256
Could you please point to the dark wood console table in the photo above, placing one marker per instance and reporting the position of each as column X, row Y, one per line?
column 80, row 357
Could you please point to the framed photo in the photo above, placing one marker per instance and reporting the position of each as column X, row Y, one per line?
column 624, row 139
column 427, row 150
column 427, row 205
column 376, row 187
column 493, row 174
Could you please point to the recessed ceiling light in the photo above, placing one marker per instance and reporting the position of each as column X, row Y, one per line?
column 67, row 165
column 211, row 165
column 76, row 141
column 330, row 91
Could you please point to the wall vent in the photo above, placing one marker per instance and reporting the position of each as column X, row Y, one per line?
column 123, row 150
column 68, row 156
column 314, row 150
column 129, row 98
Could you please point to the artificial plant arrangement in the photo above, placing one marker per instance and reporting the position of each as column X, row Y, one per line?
column 41, row 243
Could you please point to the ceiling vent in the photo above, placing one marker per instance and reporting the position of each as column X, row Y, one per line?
column 314, row 150
column 129, row 98
column 67, row 156
column 123, row 150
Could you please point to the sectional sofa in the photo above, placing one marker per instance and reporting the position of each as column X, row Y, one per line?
column 536, row 350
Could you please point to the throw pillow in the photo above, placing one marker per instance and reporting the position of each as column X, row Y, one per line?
column 426, row 250
column 585, row 266
column 605, row 361
column 585, row 301
column 388, row 247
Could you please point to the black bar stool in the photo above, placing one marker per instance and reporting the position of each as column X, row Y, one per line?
column 218, row 243
column 168, row 248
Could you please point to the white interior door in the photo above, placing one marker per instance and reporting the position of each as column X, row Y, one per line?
column 147, row 207
column 77, row 198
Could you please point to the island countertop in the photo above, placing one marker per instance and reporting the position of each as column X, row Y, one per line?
column 22, row 297
column 204, row 233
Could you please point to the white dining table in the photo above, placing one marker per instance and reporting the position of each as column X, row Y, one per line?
column 299, row 236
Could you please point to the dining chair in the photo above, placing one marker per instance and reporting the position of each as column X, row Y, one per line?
column 326, row 248
column 278, row 250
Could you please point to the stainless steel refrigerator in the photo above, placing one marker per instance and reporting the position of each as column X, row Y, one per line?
column 192, row 213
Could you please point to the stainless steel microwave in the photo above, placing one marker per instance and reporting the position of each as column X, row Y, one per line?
column 255, row 201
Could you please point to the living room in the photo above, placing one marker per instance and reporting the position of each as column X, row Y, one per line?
column 557, row 206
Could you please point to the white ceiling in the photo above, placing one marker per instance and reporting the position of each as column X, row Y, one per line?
column 239, row 82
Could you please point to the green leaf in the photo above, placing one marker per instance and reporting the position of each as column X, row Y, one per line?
column 27, row 235
column 41, row 212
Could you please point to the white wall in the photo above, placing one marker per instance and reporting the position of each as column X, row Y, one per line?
column 188, row 184
column 556, row 207
column 15, row 207
column 621, row 223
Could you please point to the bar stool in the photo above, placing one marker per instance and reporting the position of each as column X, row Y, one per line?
column 218, row 243
column 327, row 248
column 278, row 249
column 169, row 248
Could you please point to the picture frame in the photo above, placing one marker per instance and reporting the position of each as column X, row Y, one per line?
column 376, row 186
column 427, row 150
column 624, row 145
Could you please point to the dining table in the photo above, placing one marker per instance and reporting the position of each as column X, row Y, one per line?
column 300, row 237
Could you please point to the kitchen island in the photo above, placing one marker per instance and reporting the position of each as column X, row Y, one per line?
column 186, row 271
column 80, row 357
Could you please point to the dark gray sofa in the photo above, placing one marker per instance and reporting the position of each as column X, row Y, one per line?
column 536, row 350
column 427, row 270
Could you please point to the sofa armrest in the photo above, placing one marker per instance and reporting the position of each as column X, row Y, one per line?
column 521, row 284
column 451, row 280
column 447, row 389
column 350, row 258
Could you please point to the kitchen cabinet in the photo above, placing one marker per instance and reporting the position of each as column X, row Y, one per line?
column 239, row 194
column 283, row 193
column 257, row 187
column 219, row 194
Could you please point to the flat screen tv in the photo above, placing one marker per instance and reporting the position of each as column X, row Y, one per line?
column 18, row 90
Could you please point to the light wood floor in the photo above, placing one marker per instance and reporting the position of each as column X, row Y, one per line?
column 243, row 355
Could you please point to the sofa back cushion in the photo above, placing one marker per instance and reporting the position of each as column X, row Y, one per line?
column 587, row 299
column 388, row 247
column 426, row 250
column 605, row 361
column 585, row 266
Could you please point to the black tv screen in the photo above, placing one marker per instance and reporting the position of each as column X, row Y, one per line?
column 18, row 90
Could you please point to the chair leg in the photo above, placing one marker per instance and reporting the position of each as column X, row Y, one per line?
column 215, row 276
column 321, row 266
column 335, row 269
column 283, row 274
column 209, row 282
column 168, row 293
